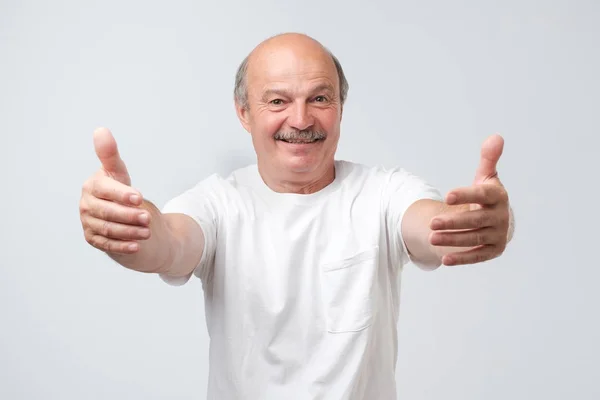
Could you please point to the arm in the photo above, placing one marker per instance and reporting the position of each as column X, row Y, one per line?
column 132, row 231
column 473, row 225
column 416, row 232
column 174, row 247
column 430, row 237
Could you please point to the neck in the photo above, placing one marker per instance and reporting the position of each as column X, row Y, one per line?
column 299, row 183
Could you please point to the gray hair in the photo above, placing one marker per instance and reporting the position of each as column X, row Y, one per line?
column 240, row 90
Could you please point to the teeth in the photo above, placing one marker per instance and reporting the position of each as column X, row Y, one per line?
column 299, row 141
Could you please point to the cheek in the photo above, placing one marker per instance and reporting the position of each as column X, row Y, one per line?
column 264, row 127
column 272, row 125
column 268, row 124
column 330, row 121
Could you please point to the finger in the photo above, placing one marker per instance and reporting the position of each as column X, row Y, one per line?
column 472, row 256
column 112, row 245
column 115, row 230
column 107, row 151
column 114, row 212
column 465, row 220
column 486, row 194
column 491, row 150
column 106, row 188
column 469, row 238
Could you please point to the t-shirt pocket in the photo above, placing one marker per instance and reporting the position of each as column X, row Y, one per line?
column 348, row 291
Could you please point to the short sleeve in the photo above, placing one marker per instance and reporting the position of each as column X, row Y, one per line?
column 404, row 189
column 201, row 204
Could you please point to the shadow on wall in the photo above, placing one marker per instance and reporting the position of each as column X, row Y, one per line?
column 233, row 159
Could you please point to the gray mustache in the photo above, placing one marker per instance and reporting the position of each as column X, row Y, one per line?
column 300, row 135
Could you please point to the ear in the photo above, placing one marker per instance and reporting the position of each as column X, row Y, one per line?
column 243, row 115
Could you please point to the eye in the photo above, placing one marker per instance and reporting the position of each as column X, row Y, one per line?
column 276, row 102
column 320, row 99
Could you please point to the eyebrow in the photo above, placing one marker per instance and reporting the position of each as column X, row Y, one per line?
column 269, row 92
column 285, row 93
column 323, row 87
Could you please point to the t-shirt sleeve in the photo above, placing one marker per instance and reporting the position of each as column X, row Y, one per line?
column 403, row 189
column 201, row 204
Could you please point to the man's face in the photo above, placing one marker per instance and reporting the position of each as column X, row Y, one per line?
column 294, row 109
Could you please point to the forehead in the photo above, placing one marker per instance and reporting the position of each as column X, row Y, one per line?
column 291, row 66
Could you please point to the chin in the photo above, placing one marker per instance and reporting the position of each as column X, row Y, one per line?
column 301, row 165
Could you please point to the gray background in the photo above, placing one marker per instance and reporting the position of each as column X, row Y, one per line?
column 429, row 81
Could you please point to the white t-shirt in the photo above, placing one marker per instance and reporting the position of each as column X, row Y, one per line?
column 302, row 291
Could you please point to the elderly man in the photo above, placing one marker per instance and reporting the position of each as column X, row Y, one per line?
column 299, row 255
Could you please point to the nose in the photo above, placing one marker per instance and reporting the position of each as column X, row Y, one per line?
column 300, row 117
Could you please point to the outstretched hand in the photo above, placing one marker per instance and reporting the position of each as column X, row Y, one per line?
column 483, row 225
column 110, row 209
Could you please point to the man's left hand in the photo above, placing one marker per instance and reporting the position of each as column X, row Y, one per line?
column 479, row 217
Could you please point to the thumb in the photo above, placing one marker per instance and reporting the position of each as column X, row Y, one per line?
column 491, row 150
column 107, row 151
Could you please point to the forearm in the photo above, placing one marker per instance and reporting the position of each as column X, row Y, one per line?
column 417, row 231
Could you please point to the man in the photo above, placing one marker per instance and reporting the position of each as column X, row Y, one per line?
column 300, row 255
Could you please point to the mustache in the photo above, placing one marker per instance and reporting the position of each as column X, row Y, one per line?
column 301, row 135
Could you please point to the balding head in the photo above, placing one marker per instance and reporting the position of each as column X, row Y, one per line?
column 289, row 96
column 280, row 46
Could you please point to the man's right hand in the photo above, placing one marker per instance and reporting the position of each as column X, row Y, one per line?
column 110, row 209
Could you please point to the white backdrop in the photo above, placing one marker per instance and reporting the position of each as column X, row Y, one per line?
column 429, row 81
